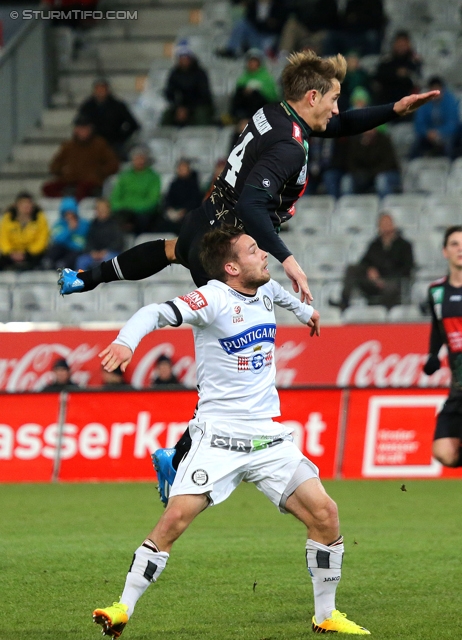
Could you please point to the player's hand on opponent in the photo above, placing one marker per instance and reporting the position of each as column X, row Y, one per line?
column 314, row 323
column 411, row 103
column 115, row 355
column 299, row 280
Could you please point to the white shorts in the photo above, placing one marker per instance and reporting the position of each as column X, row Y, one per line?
column 221, row 457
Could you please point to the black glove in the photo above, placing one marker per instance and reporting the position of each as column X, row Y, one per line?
column 432, row 365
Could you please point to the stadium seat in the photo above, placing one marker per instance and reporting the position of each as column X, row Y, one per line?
column 162, row 150
column 428, row 175
column 442, row 212
column 406, row 313
column 351, row 220
column 161, row 292
column 80, row 307
column 402, row 136
column 362, row 315
column 5, row 303
column 326, row 258
column 312, row 215
column 120, row 299
column 34, row 303
column 50, row 276
column 149, row 237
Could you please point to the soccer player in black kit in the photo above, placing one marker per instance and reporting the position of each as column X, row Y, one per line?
column 265, row 174
column 445, row 299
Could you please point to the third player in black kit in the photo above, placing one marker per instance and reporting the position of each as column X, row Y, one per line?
column 445, row 299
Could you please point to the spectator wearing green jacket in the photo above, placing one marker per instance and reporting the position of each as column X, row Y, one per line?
column 254, row 88
column 136, row 195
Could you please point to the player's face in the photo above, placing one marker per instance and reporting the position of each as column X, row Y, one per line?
column 453, row 250
column 252, row 261
column 325, row 107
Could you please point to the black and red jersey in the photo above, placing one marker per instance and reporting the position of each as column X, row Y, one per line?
column 266, row 171
column 446, row 308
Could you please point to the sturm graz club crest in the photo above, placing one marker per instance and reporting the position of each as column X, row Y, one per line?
column 200, row 477
column 267, row 302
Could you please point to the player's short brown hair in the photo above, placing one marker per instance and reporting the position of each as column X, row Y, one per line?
column 306, row 71
column 455, row 228
column 217, row 248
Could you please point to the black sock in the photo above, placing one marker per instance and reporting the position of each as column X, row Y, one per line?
column 459, row 461
column 137, row 263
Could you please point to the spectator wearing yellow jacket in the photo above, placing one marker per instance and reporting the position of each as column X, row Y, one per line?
column 24, row 235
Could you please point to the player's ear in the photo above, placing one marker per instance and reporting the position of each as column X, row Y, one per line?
column 312, row 96
column 231, row 269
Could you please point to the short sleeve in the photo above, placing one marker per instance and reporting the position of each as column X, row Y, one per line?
column 201, row 306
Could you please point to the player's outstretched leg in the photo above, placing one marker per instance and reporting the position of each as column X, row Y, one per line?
column 162, row 460
column 112, row 619
column 137, row 263
column 338, row 623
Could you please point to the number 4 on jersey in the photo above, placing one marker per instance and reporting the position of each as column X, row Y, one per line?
column 235, row 159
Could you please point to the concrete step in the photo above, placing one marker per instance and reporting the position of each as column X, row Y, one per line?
column 57, row 118
column 132, row 54
column 76, row 88
column 48, row 136
column 11, row 186
column 18, row 169
column 34, row 152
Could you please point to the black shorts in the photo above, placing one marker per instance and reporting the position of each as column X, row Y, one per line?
column 449, row 421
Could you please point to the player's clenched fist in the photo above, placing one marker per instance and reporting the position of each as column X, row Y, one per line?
column 115, row 355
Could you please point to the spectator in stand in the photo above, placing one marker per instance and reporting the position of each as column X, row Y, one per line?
column 437, row 125
column 24, row 235
column 384, row 273
column 110, row 117
column 135, row 197
column 163, row 373
column 188, row 91
column 309, row 26
column 398, row 73
column 355, row 77
column 82, row 164
column 104, row 239
column 361, row 27
column 372, row 164
column 114, row 380
column 254, row 88
column 68, row 236
column 62, row 377
column 183, row 195
column 327, row 165
column 259, row 28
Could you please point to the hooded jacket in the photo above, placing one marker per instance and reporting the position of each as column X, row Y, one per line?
column 73, row 239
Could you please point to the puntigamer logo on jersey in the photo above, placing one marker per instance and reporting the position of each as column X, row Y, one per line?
column 195, row 300
column 255, row 335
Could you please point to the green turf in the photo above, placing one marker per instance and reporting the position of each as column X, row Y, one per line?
column 65, row 549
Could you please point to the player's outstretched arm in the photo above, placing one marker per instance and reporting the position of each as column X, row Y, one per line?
column 411, row 103
column 314, row 323
column 299, row 280
column 115, row 355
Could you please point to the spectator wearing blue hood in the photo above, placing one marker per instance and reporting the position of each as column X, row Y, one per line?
column 437, row 124
column 68, row 236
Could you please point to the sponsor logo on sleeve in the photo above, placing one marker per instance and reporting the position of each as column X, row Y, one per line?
column 297, row 133
column 261, row 123
column 302, row 175
column 195, row 300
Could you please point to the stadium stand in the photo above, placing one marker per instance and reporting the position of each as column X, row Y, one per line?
column 325, row 235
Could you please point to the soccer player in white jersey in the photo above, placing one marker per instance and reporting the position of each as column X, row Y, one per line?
column 234, row 436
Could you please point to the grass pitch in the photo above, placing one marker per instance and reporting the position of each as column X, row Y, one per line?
column 238, row 573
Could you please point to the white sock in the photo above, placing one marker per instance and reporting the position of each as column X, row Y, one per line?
column 325, row 568
column 146, row 567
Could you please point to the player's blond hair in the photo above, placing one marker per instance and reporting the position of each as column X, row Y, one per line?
column 306, row 71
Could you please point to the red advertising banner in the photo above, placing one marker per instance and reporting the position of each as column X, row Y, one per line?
column 110, row 436
column 388, row 355
column 389, row 434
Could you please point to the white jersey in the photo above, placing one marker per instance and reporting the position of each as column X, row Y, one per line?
column 234, row 336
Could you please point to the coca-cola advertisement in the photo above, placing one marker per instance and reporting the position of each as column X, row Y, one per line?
column 387, row 355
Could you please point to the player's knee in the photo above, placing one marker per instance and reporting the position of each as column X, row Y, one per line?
column 326, row 515
column 448, row 456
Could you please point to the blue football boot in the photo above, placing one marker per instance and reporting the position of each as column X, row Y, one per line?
column 68, row 282
column 162, row 460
